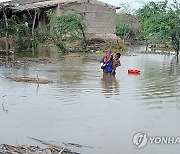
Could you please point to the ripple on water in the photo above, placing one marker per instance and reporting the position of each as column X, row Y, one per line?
column 83, row 101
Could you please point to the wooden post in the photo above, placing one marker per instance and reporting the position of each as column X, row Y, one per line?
column 30, row 14
column 34, row 21
column 146, row 46
column 33, row 26
column 83, row 33
column 38, row 16
column 7, row 42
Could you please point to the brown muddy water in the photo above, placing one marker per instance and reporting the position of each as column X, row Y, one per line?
column 83, row 107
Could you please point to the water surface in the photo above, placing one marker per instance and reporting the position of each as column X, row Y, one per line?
column 83, row 106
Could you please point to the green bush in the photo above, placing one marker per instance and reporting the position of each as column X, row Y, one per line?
column 122, row 30
column 22, row 43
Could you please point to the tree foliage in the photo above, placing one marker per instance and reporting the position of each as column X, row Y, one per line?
column 126, row 23
column 16, row 32
column 63, row 31
column 122, row 30
column 160, row 22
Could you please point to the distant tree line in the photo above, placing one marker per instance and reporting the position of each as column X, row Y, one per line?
column 158, row 22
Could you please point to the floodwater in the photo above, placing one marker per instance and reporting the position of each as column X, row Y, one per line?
column 83, row 107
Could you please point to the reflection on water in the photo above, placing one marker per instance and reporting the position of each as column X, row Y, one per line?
column 162, row 82
column 86, row 107
column 110, row 85
column 174, row 66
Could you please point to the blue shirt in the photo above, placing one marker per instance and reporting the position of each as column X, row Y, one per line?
column 108, row 68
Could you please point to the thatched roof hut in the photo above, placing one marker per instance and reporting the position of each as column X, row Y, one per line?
column 98, row 16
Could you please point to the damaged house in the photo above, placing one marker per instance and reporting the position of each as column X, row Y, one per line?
column 99, row 17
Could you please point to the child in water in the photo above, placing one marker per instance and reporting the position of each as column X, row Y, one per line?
column 105, row 60
column 116, row 62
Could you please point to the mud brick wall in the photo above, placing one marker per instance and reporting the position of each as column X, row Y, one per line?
column 99, row 19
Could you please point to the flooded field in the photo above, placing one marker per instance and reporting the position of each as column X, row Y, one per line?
column 83, row 107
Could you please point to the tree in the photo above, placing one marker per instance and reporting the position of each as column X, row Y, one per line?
column 123, row 30
column 159, row 22
column 65, row 31
column 15, row 32
column 126, row 23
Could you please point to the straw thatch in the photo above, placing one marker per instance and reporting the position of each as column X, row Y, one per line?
column 103, row 37
column 21, row 5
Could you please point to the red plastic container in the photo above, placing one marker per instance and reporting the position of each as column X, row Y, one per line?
column 134, row 71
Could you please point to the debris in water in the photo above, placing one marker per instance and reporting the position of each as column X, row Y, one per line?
column 24, row 149
column 30, row 80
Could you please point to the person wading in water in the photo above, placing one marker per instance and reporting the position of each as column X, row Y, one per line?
column 108, row 64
